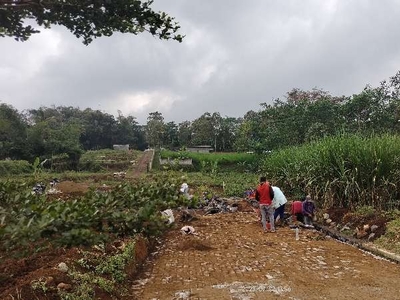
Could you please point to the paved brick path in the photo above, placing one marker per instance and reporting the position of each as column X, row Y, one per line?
column 231, row 258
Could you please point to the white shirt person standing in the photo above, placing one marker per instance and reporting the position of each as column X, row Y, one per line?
column 279, row 203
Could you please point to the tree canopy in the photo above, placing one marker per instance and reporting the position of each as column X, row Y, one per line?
column 86, row 19
column 301, row 117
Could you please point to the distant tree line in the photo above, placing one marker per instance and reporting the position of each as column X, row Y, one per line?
column 45, row 132
column 301, row 117
column 311, row 115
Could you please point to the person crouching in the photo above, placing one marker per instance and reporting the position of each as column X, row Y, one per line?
column 308, row 211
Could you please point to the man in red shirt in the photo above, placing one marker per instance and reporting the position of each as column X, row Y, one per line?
column 264, row 196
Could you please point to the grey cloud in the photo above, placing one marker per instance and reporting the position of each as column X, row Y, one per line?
column 236, row 55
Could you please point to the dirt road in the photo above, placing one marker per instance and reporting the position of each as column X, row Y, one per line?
column 231, row 258
column 142, row 165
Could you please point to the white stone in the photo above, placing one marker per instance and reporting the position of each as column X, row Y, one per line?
column 62, row 267
column 374, row 228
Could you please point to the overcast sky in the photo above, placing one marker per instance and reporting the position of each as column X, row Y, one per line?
column 236, row 55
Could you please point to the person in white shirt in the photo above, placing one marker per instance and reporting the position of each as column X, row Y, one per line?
column 279, row 203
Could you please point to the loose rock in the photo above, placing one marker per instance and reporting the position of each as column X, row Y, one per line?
column 374, row 228
column 371, row 236
column 64, row 286
column 62, row 267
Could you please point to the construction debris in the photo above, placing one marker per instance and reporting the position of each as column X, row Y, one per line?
column 119, row 174
column 187, row 230
column 169, row 216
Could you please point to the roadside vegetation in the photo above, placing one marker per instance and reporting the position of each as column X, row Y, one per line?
column 344, row 151
column 346, row 171
column 29, row 219
column 211, row 162
column 104, row 225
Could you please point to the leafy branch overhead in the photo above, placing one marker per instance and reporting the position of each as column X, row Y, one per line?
column 86, row 19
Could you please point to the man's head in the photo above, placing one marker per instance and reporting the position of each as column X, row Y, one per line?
column 263, row 179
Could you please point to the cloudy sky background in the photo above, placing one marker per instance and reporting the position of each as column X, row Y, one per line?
column 236, row 55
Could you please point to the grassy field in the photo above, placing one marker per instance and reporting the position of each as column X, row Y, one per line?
column 214, row 162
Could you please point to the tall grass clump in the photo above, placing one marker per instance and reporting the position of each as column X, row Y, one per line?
column 344, row 171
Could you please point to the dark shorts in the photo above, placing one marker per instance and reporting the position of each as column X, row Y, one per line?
column 280, row 211
column 299, row 217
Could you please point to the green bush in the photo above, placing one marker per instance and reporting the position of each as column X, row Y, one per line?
column 107, row 159
column 391, row 239
column 89, row 166
column 229, row 184
column 15, row 167
column 365, row 211
column 125, row 211
column 61, row 163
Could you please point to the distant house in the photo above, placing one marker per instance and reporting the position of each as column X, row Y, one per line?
column 121, row 147
column 201, row 149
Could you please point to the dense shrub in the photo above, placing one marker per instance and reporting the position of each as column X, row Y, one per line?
column 14, row 167
column 391, row 239
column 107, row 159
column 125, row 211
column 61, row 163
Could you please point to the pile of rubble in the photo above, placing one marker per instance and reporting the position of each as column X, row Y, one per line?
column 365, row 231
column 217, row 205
column 40, row 188
column 119, row 174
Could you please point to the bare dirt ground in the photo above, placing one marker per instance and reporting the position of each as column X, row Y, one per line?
column 231, row 258
column 142, row 165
